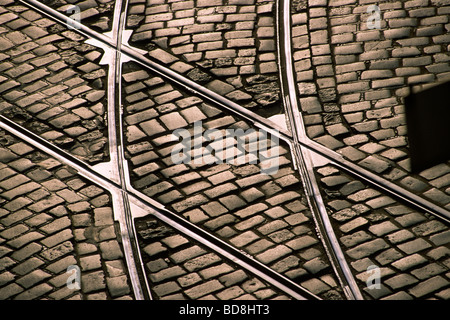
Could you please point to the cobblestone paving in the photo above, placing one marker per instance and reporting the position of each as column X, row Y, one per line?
column 352, row 81
column 229, row 46
column 411, row 248
column 97, row 14
column 51, row 82
column 50, row 219
column 179, row 268
column 264, row 215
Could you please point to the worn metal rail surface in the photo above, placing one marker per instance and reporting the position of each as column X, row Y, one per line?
column 256, row 119
column 116, row 178
column 126, row 197
column 302, row 156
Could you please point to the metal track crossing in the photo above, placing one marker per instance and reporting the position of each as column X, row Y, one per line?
column 129, row 203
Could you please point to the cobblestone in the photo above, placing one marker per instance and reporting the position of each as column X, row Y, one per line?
column 391, row 236
column 42, row 236
column 214, row 41
column 363, row 63
column 37, row 65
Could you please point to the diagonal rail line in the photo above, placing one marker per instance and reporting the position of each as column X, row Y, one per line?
column 298, row 142
column 257, row 120
column 305, row 164
column 149, row 206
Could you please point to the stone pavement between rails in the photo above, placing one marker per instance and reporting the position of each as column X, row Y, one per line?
column 351, row 82
column 51, row 219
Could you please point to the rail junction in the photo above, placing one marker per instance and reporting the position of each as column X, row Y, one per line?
column 88, row 109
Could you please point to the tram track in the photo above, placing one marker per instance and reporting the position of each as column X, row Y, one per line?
column 257, row 120
column 144, row 205
column 304, row 162
column 125, row 197
column 131, row 200
column 124, row 194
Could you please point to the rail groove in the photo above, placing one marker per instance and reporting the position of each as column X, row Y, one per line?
column 126, row 197
column 304, row 161
column 125, row 217
column 256, row 119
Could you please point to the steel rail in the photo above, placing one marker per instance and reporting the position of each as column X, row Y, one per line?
column 379, row 182
column 147, row 204
column 163, row 71
column 304, row 161
column 262, row 123
column 127, row 227
column 183, row 225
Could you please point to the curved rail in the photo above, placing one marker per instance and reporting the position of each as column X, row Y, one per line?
column 299, row 143
column 125, row 218
column 257, row 120
column 305, row 165
column 149, row 206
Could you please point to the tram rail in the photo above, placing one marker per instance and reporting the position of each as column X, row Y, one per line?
column 126, row 197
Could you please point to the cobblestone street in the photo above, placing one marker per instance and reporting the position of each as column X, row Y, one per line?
column 219, row 150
